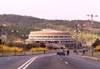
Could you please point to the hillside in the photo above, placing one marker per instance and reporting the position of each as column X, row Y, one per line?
column 25, row 24
column 19, row 20
column 33, row 21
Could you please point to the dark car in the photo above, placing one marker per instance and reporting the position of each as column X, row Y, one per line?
column 61, row 52
column 75, row 51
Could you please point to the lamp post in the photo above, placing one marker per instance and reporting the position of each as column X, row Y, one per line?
column 24, row 42
column 82, row 25
column 92, row 30
column 81, row 41
column 32, row 49
column 77, row 34
column 16, row 31
column 2, row 39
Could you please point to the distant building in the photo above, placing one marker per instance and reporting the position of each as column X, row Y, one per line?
column 3, row 38
column 50, row 36
column 4, row 24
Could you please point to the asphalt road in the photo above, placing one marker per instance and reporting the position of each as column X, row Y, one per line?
column 47, row 61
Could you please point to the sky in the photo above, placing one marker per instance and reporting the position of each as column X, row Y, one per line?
column 52, row 9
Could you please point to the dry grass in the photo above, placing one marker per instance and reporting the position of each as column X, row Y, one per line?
column 94, row 53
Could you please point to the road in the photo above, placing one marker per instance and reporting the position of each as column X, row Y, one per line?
column 47, row 61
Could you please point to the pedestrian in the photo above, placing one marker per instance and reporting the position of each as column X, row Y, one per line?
column 68, row 52
column 44, row 51
column 80, row 52
column 83, row 51
column 75, row 52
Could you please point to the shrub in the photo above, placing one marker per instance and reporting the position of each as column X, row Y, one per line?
column 38, row 49
column 97, row 48
column 10, row 49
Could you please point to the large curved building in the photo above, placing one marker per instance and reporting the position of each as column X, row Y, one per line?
column 49, row 35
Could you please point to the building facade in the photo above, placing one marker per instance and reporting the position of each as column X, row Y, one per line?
column 50, row 36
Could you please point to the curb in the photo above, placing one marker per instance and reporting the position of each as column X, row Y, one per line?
column 24, row 55
column 93, row 58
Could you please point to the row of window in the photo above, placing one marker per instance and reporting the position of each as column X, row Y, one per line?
column 49, row 36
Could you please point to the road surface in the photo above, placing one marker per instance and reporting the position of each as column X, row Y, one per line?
column 47, row 61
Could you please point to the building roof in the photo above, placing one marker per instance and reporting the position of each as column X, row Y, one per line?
column 49, row 32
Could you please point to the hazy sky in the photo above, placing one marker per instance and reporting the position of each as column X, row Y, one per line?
column 52, row 9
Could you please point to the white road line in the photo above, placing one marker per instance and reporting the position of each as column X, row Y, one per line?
column 8, row 58
column 60, row 59
column 66, row 62
column 25, row 63
column 29, row 63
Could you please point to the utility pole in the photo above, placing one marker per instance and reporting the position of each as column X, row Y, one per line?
column 15, row 31
column 24, row 36
column 77, row 34
column 2, row 40
column 82, row 25
column 92, row 31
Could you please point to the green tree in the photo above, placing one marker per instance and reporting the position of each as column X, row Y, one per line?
column 96, row 43
column 42, row 45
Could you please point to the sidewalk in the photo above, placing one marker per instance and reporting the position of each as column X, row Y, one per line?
column 96, row 57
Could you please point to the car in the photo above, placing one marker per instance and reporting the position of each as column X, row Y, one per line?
column 61, row 52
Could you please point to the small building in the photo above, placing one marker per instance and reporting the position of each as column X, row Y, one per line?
column 50, row 36
column 3, row 38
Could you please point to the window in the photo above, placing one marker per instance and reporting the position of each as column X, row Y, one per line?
column 65, row 36
column 30, row 36
column 50, row 36
column 55, row 36
column 39, row 36
column 68, row 36
column 35, row 36
column 68, row 39
column 44, row 36
column 61, row 36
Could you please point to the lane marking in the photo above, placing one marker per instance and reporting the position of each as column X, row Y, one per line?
column 66, row 62
column 60, row 59
column 26, row 64
column 21, row 67
column 8, row 58
column 29, row 63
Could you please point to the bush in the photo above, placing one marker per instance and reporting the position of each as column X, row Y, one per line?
column 38, row 49
column 10, row 49
column 97, row 48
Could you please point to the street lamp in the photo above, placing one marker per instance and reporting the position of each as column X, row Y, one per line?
column 92, row 30
column 2, row 39
column 81, row 40
column 24, row 42
column 16, row 31
column 82, row 25
column 77, row 34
